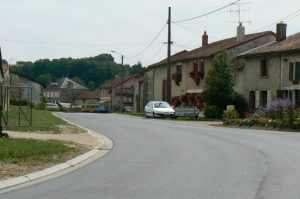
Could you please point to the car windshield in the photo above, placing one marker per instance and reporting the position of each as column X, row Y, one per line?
column 161, row 105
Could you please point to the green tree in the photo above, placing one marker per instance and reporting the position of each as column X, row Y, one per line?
column 96, row 69
column 220, row 82
column 78, row 80
column 4, row 61
column 136, row 69
column 44, row 79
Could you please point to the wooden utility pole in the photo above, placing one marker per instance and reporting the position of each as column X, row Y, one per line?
column 169, row 83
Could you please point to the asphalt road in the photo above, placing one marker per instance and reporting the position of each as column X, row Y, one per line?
column 160, row 159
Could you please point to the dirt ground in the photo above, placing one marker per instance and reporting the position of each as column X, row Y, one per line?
column 80, row 137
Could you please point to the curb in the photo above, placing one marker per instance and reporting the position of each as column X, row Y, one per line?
column 100, row 151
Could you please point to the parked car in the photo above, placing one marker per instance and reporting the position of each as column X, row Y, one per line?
column 102, row 110
column 159, row 109
column 89, row 108
column 52, row 106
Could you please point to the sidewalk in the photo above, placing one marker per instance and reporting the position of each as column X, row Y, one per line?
column 99, row 145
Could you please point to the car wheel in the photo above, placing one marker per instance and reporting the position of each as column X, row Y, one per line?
column 154, row 115
column 146, row 116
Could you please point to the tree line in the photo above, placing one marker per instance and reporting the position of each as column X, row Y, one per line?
column 90, row 72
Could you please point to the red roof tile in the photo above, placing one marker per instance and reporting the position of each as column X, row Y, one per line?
column 291, row 43
column 88, row 95
column 213, row 48
column 115, row 82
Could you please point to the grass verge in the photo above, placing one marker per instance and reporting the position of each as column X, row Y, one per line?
column 22, row 156
column 27, row 150
column 41, row 121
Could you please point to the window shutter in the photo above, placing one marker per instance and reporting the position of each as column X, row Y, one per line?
column 291, row 77
column 297, row 71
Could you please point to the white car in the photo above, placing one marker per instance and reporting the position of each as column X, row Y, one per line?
column 51, row 106
column 159, row 109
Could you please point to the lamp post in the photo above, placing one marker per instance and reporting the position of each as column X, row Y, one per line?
column 122, row 77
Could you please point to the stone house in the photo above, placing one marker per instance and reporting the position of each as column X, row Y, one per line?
column 23, row 88
column 189, row 68
column 63, row 90
column 20, row 88
column 87, row 97
column 115, row 91
column 271, row 71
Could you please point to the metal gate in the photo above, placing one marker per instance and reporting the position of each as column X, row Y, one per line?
column 15, row 106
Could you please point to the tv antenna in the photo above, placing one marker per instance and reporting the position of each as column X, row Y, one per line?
column 239, row 11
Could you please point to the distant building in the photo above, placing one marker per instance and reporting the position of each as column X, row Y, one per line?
column 87, row 97
column 23, row 88
column 115, row 90
column 63, row 90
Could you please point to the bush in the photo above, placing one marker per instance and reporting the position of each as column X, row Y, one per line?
column 239, row 103
column 21, row 103
column 212, row 112
column 230, row 116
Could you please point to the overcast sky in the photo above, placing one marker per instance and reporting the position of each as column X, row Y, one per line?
column 38, row 29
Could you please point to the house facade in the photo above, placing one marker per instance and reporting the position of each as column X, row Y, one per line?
column 63, row 90
column 271, row 71
column 118, row 92
column 87, row 97
column 189, row 68
column 23, row 88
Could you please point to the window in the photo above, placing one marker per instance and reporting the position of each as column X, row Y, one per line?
column 252, row 100
column 297, row 98
column 195, row 67
column 263, row 98
column 264, row 68
column 179, row 72
column 294, row 73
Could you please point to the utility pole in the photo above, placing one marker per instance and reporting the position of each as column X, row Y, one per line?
column 169, row 83
column 122, row 79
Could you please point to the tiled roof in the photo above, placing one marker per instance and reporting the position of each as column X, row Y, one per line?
column 115, row 82
column 88, row 95
column 291, row 43
column 64, row 83
column 212, row 48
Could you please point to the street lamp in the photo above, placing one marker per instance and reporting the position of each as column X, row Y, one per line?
column 122, row 77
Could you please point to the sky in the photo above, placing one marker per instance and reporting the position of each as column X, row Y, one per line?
column 40, row 29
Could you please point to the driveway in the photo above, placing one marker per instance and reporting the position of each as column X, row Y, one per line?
column 162, row 159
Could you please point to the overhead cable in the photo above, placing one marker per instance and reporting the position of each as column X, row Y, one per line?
column 150, row 44
column 208, row 13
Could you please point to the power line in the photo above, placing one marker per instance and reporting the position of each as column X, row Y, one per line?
column 286, row 17
column 292, row 17
column 156, row 53
column 150, row 44
column 188, row 30
column 208, row 13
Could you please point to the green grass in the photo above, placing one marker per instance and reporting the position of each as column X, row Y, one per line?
column 29, row 150
column 41, row 121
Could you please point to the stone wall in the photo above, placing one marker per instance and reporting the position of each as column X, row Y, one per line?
column 250, row 79
column 17, row 81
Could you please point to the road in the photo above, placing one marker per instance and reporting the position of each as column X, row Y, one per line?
column 162, row 159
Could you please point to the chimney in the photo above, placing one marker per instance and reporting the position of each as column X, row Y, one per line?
column 70, row 84
column 240, row 33
column 281, row 31
column 204, row 39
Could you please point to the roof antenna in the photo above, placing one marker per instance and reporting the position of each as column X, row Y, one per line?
column 239, row 11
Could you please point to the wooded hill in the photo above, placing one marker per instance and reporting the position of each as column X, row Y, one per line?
column 90, row 72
